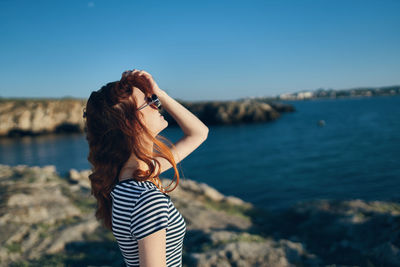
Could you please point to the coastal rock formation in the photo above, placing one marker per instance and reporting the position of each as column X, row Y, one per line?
column 232, row 112
column 348, row 232
column 33, row 117
column 46, row 220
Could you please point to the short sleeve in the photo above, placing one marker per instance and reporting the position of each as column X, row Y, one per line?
column 150, row 214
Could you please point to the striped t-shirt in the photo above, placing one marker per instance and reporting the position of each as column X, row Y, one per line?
column 139, row 209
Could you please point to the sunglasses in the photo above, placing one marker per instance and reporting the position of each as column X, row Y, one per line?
column 153, row 101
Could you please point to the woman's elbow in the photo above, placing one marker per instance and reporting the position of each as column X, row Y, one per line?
column 204, row 134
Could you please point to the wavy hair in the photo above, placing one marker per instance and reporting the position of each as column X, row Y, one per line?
column 114, row 130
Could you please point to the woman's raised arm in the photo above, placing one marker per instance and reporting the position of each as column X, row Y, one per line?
column 195, row 131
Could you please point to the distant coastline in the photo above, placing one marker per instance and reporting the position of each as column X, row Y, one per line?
column 343, row 93
column 330, row 94
column 31, row 117
column 39, row 116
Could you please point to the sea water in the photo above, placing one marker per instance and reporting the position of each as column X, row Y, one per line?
column 327, row 149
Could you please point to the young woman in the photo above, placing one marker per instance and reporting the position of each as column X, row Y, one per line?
column 127, row 155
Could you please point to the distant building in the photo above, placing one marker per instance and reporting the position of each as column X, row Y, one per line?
column 287, row 96
column 304, row 95
column 296, row 96
column 330, row 93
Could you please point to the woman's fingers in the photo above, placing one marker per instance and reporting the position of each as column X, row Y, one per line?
column 135, row 71
column 129, row 72
column 145, row 78
column 142, row 75
column 146, row 73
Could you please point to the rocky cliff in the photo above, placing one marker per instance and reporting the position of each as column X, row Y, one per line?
column 48, row 220
column 33, row 117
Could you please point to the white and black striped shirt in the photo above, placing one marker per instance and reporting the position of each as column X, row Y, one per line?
column 140, row 209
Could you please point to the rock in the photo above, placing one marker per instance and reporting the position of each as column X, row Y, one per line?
column 281, row 107
column 32, row 117
column 387, row 253
column 75, row 232
column 211, row 192
column 374, row 237
column 82, row 177
column 49, row 220
column 36, row 211
column 249, row 254
column 231, row 112
column 36, row 206
column 252, row 250
column 235, row 200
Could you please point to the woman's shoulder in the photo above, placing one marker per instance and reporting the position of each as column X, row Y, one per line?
column 137, row 189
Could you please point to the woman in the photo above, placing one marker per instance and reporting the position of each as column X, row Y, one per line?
column 127, row 156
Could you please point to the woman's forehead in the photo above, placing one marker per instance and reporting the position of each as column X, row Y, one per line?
column 139, row 95
column 137, row 92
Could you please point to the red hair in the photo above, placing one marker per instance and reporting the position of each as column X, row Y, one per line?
column 114, row 130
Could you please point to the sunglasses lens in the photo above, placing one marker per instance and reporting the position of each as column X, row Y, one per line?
column 156, row 101
column 154, row 105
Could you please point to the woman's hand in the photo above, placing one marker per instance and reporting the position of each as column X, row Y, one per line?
column 146, row 78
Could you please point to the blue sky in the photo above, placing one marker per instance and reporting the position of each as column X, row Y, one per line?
column 198, row 50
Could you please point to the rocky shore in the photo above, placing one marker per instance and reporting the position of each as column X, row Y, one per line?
column 48, row 220
column 20, row 117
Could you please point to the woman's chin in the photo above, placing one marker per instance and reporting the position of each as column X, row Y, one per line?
column 163, row 125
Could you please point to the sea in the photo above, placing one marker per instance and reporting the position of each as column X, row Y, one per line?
column 341, row 149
